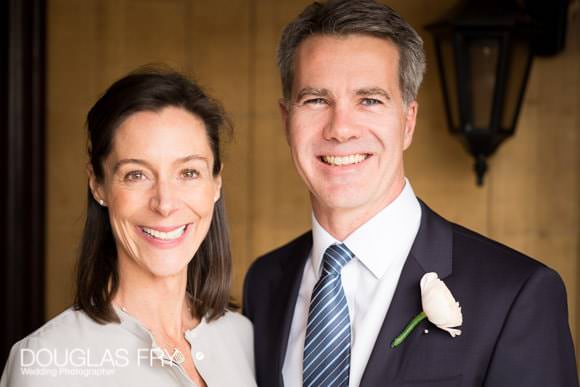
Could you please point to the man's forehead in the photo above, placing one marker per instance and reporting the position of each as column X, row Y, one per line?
column 356, row 64
column 316, row 54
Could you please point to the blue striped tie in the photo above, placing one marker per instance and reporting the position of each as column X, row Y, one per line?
column 327, row 344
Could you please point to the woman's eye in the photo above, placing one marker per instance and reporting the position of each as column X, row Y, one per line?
column 370, row 101
column 134, row 176
column 190, row 174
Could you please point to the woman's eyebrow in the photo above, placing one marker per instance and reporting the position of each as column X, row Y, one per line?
column 185, row 159
column 180, row 160
column 122, row 162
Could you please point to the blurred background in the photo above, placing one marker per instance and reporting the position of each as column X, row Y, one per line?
column 530, row 199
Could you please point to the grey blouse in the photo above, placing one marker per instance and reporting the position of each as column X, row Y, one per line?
column 73, row 350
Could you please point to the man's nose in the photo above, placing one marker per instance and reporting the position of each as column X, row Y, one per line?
column 341, row 126
column 164, row 199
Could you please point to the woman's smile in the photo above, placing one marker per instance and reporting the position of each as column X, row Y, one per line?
column 164, row 237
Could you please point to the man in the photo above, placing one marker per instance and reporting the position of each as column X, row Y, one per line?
column 327, row 306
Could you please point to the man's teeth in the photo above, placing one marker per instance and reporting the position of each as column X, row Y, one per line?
column 166, row 236
column 344, row 160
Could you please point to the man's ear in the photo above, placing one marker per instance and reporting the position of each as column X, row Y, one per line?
column 283, row 105
column 96, row 188
column 410, row 121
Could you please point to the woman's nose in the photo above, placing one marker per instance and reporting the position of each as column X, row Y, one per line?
column 164, row 200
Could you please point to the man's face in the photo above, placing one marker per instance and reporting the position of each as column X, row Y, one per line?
column 347, row 125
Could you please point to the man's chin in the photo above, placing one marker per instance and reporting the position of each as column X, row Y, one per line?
column 345, row 200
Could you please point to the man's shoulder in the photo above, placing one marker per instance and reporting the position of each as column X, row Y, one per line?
column 446, row 247
column 280, row 255
column 278, row 263
column 495, row 266
column 278, row 266
column 473, row 246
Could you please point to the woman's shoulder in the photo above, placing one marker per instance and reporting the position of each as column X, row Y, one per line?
column 229, row 338
column 69, row 321
column 233, row 321
column 68, row 327
column 66, row 331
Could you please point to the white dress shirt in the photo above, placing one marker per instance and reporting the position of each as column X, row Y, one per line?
column 380, row 248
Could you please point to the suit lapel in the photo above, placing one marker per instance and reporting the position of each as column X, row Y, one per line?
column 431, row 252
column 284, row 290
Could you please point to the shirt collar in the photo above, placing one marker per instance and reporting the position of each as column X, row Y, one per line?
column 383, row 239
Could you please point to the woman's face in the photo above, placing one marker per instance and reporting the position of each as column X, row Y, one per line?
column 159, row 190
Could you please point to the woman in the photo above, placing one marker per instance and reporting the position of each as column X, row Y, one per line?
column 153, row 276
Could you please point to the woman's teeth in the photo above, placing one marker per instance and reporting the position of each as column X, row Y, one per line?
column 344, row 160
column 166, row 236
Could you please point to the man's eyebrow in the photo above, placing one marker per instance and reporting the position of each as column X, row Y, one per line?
column 312, row 91
column 366, row 92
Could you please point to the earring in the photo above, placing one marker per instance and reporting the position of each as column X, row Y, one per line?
column 101, row 202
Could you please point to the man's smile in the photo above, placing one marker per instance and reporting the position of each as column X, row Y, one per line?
column 344, row 160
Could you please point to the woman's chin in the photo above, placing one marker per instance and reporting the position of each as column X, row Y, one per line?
column 167, row 268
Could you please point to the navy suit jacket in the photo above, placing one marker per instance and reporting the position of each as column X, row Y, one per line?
column 515, row 320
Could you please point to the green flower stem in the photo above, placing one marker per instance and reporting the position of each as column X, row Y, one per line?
column 408, row 329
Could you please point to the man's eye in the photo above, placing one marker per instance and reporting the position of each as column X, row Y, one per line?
column 134, row 176
column 190, row 174
column 315, row 101
column 370, row 101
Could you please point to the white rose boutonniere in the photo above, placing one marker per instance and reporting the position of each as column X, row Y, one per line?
column 439, row 307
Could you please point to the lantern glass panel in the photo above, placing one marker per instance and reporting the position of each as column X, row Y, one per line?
column 449, row 69
column 483, row 64
column 519, row 57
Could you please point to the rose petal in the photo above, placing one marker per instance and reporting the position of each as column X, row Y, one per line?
column 426, row 279
column 452, row 332
column 439, row 304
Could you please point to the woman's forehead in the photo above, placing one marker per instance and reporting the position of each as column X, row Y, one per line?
column 169, row 133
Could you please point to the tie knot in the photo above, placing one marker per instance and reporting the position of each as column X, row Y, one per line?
column 334, row 259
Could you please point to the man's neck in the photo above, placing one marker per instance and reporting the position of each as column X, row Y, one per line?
column 341, row 222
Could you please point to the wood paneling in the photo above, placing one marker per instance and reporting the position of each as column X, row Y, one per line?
column 73, row 68
column 530, row 199
column 281, row 209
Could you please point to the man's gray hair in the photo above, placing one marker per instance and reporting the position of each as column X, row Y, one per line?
column 344, row 17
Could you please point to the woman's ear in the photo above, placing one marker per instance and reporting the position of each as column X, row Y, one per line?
column 96, row 188
column 218, row 183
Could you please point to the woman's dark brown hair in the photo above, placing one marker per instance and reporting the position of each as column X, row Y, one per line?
column 209, row 272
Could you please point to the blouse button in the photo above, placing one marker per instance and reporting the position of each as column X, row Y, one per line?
column 199, row 355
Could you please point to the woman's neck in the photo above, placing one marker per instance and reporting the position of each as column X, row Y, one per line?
column 160, row 304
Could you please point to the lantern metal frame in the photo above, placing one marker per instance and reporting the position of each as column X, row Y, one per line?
column 483, row 21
